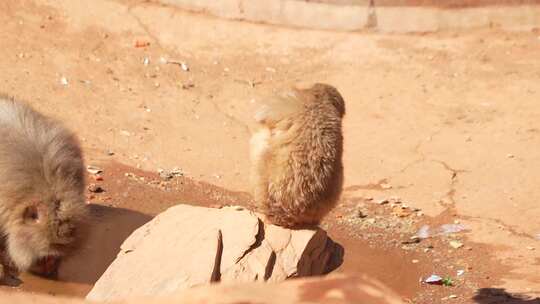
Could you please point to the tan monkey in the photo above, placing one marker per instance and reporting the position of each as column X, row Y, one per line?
column 42, row 183
column 296, row 153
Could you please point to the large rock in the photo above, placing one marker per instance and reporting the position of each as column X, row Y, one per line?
column 335, row 289
column 187, row 246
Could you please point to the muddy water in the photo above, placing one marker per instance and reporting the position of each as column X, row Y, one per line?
column 391, row 266
column 124, row 207
column 78, row 273
column 37, row 284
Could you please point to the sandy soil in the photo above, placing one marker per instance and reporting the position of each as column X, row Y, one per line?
column 446, row 122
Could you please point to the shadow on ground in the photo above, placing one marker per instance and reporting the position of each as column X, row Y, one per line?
column 501, row 296
column 112, row 227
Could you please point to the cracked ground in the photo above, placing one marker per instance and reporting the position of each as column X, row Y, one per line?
column 445, row 126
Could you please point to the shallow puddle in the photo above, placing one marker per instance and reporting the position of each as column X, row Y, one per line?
column 391, row 266
column 114, row 224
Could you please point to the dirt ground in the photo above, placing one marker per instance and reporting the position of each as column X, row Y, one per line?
column 446, row 126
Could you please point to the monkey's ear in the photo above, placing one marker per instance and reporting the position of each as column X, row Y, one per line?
column 31, row 214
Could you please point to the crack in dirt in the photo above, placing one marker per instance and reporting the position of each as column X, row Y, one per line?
column 453, row 180
column 231, row 118
column 157, row 41
column 417, row 150
column 143, row 25
column 370, row 186
column 512, row 229
column 450, row 194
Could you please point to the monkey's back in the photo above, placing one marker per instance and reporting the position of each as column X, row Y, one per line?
column 305, row 168
column 36, row 153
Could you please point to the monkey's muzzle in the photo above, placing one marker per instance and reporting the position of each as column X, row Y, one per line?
column 46, row 267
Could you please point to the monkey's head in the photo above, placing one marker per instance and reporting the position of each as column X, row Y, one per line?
column 49, row 213
column 327, row 93
column 45, row 228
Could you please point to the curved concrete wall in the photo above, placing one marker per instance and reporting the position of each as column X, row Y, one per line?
column 382, row 15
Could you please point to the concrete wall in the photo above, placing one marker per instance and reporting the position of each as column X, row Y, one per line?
column 382, row 15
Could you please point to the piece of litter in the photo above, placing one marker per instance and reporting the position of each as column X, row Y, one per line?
column 63, row 80
column 452, row 296
column 423, row 232
column 433, row 279
column 187, row 86
column 146, row 61
column 530, row 247
column 395, row 199
column 361, row 214
column 93, row 169
column 510, row 155
column 451, row 228
column 415, row 261
column 447, row 281
column 413, row 240
column 386, row 186
column 400, row 212
column 382, row 201
column 460, row 272
column 167, row 175
column 95, row 188
column 456, row 244
column 125, row 133
column 140, row 43
column 182, row 64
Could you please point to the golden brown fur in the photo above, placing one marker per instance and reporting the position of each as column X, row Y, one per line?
column 296, row 153
column 41, row 185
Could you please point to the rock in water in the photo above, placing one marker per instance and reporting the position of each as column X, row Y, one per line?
column 187, row 246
